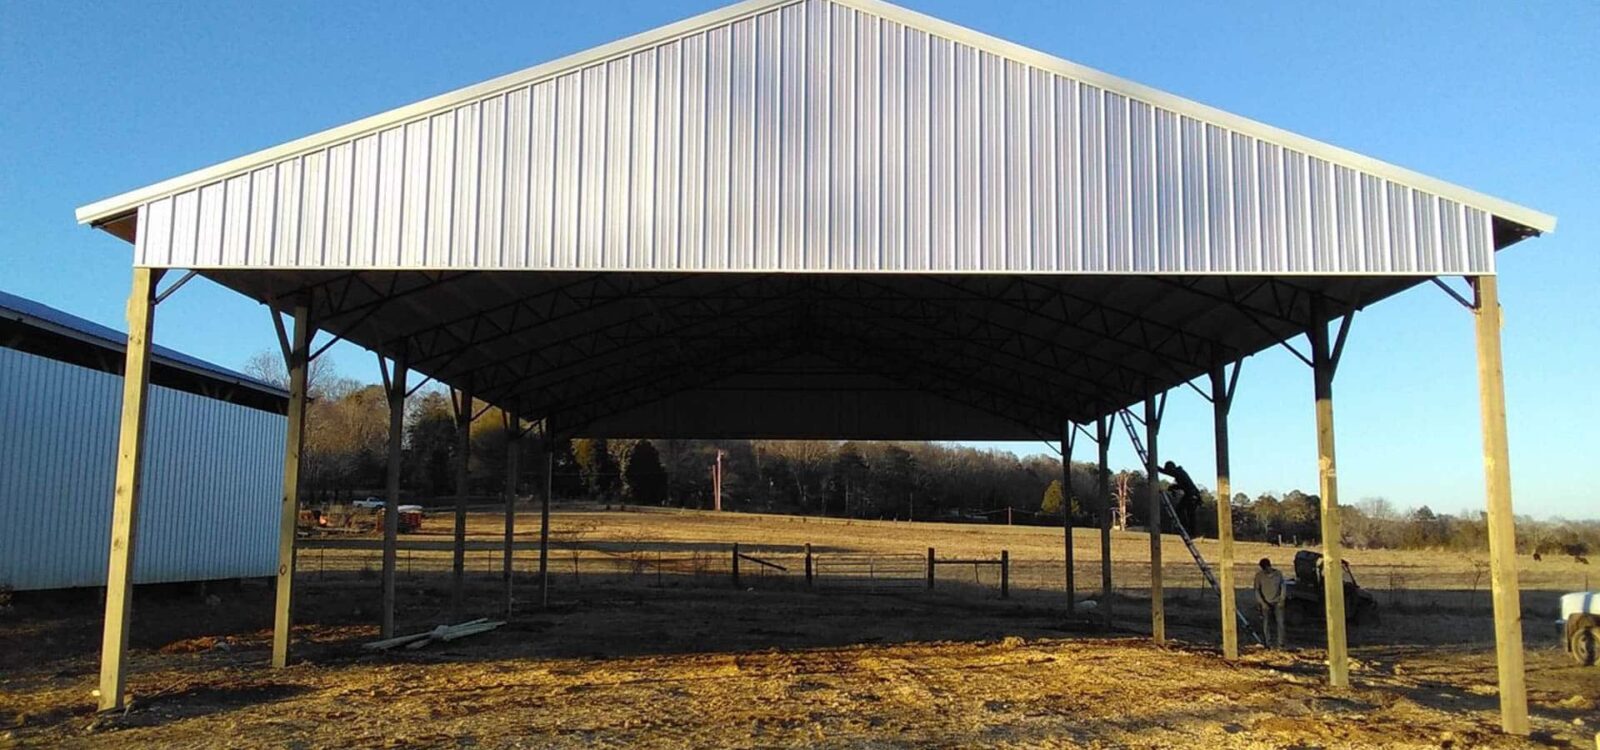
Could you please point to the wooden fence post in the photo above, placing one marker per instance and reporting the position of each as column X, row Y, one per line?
column 808, row 565
column 1005, row 574
column 930, row 568
column 736, row 565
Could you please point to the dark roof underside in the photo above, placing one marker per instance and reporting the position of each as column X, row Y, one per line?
column 866, row 356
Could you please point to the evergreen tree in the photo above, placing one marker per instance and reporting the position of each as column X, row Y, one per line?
column 566, row 476
column 601, row 476
column 430, row 444
column 847, row 485
column 646, row 479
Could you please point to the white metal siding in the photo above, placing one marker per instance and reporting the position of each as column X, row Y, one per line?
column 816, row 136
column 212, row 480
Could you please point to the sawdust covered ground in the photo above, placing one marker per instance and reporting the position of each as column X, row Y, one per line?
column 674, row 661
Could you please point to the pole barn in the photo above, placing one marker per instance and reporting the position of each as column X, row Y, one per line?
column 827, row 219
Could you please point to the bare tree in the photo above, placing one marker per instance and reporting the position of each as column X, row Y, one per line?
column 810, row 460
column 268, row 367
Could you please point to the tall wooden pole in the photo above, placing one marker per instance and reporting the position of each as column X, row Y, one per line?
column 1322, row 367
column 513, row 443
column 125, row 500
column 1102, row 434
column 463, row 481
column 1158, row 603
column 1221, row 403
column 716, row 483
column 1502, row 531
column 391, row 501
column 544, row 514
column 289, row 509
column 1066, row 515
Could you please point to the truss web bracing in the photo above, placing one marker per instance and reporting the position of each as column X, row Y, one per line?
column 935, row 356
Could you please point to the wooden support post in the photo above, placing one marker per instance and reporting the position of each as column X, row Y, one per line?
column 391, row 503
column 1005, row 574
column 1322, row 367
column 736, row 565
column 125, row 500
column 930, row 568
column 1066, row 517
column 289, row 507
column 1158, row 603
column 1221, row 403
column 1102, row 434
column 544, row 515
column 513, row 426
column 463, row 487
column 1502, row 531
column 808, row 565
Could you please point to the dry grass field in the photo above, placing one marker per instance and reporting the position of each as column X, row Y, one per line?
column 647, row 643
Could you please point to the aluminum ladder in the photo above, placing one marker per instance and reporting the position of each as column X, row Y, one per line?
column 1188, row 541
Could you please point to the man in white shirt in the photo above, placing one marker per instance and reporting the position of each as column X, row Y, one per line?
column 1270, row 595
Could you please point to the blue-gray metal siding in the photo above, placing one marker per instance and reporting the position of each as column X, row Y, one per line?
column 212, row 480
column 821, row 136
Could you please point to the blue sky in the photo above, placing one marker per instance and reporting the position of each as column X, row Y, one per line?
column 96, row 99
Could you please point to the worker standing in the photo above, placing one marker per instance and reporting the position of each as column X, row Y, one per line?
column 1270, row 597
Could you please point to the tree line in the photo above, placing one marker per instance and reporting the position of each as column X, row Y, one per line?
column 346, row 450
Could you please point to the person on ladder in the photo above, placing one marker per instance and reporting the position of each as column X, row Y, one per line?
column 1188, row 504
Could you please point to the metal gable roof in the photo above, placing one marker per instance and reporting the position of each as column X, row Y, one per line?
column 819, row 135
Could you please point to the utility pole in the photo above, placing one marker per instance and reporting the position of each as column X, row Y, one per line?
column 716, row 483
column 1122, row 501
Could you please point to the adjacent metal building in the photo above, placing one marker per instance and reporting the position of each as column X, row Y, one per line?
column 215, row 463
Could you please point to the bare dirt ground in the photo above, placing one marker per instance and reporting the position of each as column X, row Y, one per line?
column 648, row 644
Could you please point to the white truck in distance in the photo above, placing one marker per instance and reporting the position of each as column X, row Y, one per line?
column 1580, row 614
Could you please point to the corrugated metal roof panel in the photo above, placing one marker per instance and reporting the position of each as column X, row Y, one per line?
column 1155, row 183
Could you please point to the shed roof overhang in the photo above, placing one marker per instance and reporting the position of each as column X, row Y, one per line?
column 44, row 331
column 813, row 218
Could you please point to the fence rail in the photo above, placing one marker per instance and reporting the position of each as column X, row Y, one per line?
column 335, row 559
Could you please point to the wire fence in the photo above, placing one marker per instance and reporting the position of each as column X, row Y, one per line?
column 711, row 565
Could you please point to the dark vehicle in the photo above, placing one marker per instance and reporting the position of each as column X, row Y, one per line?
column 1305, row 591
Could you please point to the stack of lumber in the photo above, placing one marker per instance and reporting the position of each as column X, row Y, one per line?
column 440, row 633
